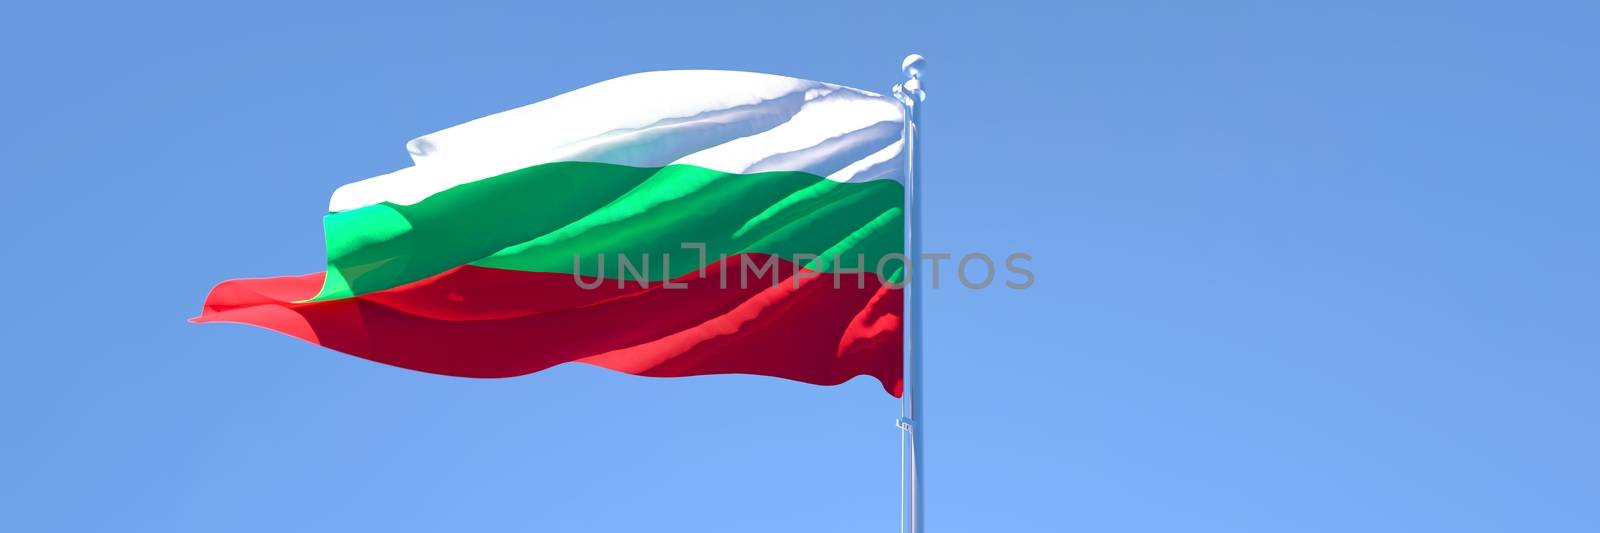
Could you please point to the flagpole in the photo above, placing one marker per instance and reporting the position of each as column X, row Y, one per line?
column 911, row 95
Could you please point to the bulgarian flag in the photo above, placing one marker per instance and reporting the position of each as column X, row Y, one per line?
column 665, row 224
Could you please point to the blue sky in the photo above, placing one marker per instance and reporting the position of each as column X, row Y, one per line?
column 1324, row 268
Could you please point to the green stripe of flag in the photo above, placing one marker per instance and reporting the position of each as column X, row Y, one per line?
column 537, row 219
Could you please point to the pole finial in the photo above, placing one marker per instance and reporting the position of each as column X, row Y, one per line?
column 911, row 91
column 913, row 66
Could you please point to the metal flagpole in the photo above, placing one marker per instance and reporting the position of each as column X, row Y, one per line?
column 911, row 95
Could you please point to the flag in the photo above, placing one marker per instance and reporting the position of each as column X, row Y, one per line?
column 672, row 223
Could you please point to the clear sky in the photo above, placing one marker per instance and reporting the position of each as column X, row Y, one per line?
column 1299, row 269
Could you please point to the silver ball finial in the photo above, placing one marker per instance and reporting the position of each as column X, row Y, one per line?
column 910, row 91
column 913, row 66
